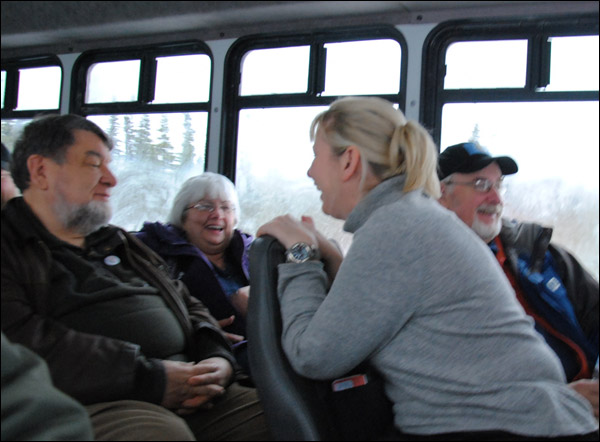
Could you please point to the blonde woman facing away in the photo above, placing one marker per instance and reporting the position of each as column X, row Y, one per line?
column 418, row 294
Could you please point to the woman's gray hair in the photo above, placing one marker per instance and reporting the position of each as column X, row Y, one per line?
column 207, row 185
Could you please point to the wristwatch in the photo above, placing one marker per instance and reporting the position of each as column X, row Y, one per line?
column 301, row 252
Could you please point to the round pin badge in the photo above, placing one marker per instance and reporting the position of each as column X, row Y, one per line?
column 112, row 260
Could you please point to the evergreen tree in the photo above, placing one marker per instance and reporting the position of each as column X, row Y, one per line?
column 164, row 150
column 144, row 149
column 130, row 147
column 187, row 154
column 113, row 133
column 475, row 134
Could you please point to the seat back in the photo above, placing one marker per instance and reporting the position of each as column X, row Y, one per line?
column 298, row 408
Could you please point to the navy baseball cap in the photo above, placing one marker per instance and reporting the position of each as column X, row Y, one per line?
column 468, row 158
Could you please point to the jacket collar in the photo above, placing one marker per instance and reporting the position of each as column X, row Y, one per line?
column 169, row 238
column 172, row 241
column 22, row 219
column 522, row 236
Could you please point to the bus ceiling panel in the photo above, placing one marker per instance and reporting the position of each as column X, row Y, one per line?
column 31, row 27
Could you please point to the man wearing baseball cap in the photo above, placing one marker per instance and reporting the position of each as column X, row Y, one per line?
column 550, row 284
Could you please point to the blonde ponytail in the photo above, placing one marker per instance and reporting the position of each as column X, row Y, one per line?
column 416, row 157
column 396, row 154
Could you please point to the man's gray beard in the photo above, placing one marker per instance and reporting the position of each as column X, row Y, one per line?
column 84, row 218
column 486, row 232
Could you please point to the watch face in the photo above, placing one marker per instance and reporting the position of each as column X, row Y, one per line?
column 300, row 252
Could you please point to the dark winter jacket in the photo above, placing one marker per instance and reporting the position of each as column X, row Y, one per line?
column 569, row 309
column 92, row 367
column 190, row 265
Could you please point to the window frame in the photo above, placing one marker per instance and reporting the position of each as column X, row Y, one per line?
column 147, row 83
column 535, row 31
column 11, row 91
column 233, row 102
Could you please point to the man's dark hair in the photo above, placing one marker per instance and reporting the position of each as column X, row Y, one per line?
column 49, row 136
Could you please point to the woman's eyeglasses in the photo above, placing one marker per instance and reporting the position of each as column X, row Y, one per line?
column 210, row 208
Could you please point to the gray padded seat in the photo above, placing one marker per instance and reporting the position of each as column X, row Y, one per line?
column 298, row 408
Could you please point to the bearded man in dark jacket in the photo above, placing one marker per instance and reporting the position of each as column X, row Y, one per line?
column 551, row 285
column 117, row 333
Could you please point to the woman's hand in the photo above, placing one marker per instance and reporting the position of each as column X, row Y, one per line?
column 331, row 255
column 289, row 231
column 233, row 338
column 239, row 300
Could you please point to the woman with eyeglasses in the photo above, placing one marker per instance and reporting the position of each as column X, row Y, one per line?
column 203, row 249
column 418, row 295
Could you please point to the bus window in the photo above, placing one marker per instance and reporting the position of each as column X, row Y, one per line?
column 287, row 73
column 154, row 104
column 153, row 155
column 486, row 64
column 31, row 86
column 3, row 87
column 362, row 67
column 113, row 81
column 274, row 153
column 282, row 88
column 49, row 98
column 527, row 120
column 182, row 79
column 574, row 64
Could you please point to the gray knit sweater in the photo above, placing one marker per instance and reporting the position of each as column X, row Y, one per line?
column 422, row 297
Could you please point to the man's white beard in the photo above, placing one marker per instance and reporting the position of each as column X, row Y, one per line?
column 487, row 232
column 82, row 218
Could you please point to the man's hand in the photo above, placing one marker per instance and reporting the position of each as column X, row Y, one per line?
column 193, row 385
column 588, row 388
